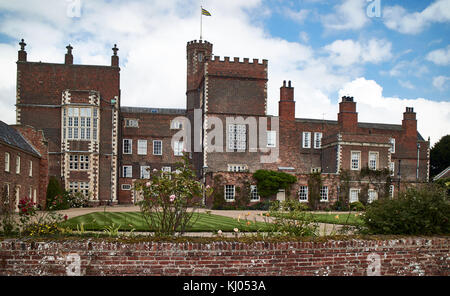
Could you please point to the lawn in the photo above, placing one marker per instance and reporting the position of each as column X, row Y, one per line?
column 133, row 220
column 334, row 218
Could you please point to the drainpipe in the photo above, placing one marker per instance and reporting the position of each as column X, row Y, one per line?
column 418, row 153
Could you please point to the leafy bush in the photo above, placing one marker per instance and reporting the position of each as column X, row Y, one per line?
column 78, row 200
column 357, row 206
column 422, row 211
column 270, row 182
column 290, row 218
column 56, row 197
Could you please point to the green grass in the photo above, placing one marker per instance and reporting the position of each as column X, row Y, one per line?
column 343, row 218
column 133, row 220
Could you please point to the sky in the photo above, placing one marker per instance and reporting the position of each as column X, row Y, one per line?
column 387, row 54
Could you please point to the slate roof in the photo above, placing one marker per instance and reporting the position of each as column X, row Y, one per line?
column 12, row 137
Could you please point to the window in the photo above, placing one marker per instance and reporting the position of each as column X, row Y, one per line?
column 127, row 146
column 229, row 193
column 178, row 147
column 306, row 140
column 271, row 139
column 373, row 157
column 126, row 187
column 82, row 187
column 157, row 147
column 142, row 147
column 166, row 169
column 372, row 195
column 18, row 165
column 6, row 188
column 237, row 137
column 237, row 168
column 392, row 148
column 131, row 122
column 30, row 172
column 354, row 195
column 80, row 123
column 175, row 124
column 303, row 193
column 78, row 162
column 355, row 160
column 7, row 161
column 316, row 170
column 30, row 193
column 392, row 168
column 317, row 140
column 145, row 172
column 324, row 193
column 127, row 171
column 391, row 191
column 254, row 193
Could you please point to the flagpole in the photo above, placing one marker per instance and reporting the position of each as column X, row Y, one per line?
column 201, row 22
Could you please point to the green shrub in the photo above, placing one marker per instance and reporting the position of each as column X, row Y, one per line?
column 56, row 197
column 357, row 206
column 270, row 182
column 77, row 200
column 422, row 211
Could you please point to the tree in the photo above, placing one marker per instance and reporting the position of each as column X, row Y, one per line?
column 440, row 156
column 270, row 182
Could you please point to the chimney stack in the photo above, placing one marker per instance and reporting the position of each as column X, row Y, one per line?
column 22, row 52
column 409, row 123
column 286, row 105
column 115, row 57
column 347, row 116
column 69, row 57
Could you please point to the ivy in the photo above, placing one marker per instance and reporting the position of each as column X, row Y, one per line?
column 270, row 182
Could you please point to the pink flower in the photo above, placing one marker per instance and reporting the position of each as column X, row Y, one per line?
column 172, row 197
column 207, row 186
column 147, row 184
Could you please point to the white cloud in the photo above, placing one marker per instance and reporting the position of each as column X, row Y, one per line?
column 440, row 56
column 298, row 16
column 398, row 19
column 406, row 84
column 440, row 82
column 349, row 15
column 372, row 106
column 348, row 52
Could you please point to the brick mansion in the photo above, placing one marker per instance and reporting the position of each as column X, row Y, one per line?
column 70, row 124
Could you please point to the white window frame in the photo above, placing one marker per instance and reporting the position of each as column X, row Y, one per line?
column 237, row 137
column 166, row 169
column 30, row 172
column 176, row 124
column 272, row 139
column 237, row 167
column 392, row 148
column 324, row 193
column 254, row 196
column 306, row 140
column 126, row 187
column 7, row 193
column 142, row 147
column 127, row 147
column 372, row 195
column 145, row 172
column 228, row 193
column 370, row 161
column 160, row 147
column 125, row 170
column 80, row 121
column 178, row 147
column 350, row 197
column 303, row 193
column 351, row 160
column 391, row 191
column 7, row 162
column 18, row 164
column 317, row 140
column 392, row 168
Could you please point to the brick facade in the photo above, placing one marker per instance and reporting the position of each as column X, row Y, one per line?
column 410, row 256
column 217, row 89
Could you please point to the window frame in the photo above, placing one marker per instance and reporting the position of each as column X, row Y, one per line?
column 227, row 193
column 303, row 191
column 371, row 153
column 324, row 189
column 351, row 160
column 140, row 149
column 145, row 169
column 392, row 148
column 306, row 141
column 350, row 195
column 18, row 164
column 271, row 139
column 123, row 171
column 317, row 139
column 160, row 146
column 130, row 144
column 7, row 162
column 253, row 192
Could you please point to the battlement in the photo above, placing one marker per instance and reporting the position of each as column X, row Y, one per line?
column 200, row 44
column 224, row 66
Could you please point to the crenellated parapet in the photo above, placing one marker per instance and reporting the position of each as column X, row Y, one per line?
column 237, row 67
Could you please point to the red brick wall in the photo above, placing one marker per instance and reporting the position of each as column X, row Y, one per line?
column 358, row 257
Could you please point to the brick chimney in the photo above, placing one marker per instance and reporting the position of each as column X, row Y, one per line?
column 22, row 52
column 69, row 57
column 115, row 57
column 409, row 123
column 347, row 116
column 286, row 105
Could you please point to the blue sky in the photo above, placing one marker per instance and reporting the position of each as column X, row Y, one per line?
column 388, row 61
